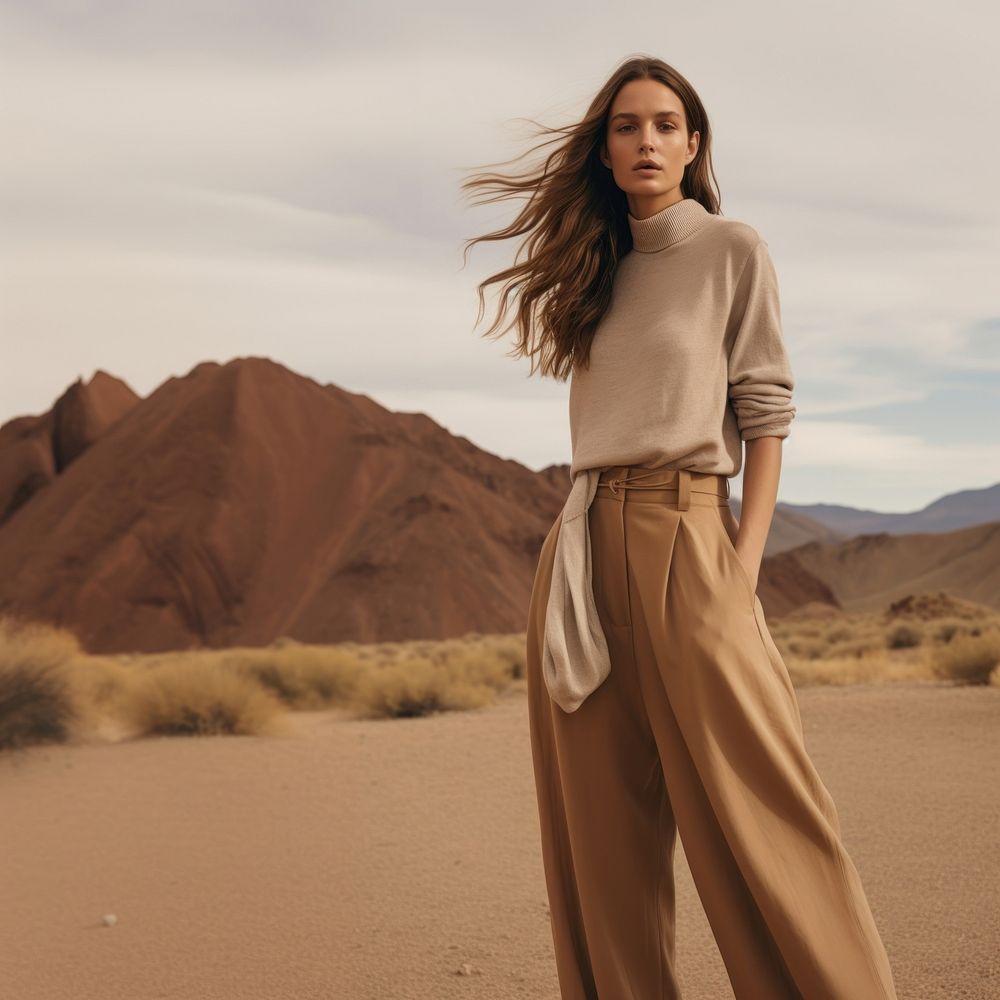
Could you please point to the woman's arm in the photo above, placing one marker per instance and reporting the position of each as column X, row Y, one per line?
column 760, row 391
column 760, row 492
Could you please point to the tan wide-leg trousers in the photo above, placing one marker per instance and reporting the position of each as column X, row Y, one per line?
column 696, row 730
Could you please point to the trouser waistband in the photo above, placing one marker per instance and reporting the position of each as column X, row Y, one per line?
column 625, row 483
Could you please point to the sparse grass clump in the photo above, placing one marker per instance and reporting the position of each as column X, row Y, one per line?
column 903, row 637
column 800, row 648
column 302, row 677
column 51, row 690
column 50, row 686
column 446, row 675
column 909, row 641
column 868, row 668
column 969, row 659
column 192, row 698
column 947, row 630
column 38, row 699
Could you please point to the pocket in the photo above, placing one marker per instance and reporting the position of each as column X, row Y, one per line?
column 729, row 525
column 778, row 665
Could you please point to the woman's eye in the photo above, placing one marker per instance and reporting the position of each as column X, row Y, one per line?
column 668, row 124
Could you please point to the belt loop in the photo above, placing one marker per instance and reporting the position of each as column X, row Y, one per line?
column 617, row 483
column 683, row 489
column 624, row 470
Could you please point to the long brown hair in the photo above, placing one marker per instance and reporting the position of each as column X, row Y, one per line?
column 576, row 218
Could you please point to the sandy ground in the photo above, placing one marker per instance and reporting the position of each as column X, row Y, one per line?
column 363, row 860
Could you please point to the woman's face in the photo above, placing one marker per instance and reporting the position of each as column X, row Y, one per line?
column 647, row 122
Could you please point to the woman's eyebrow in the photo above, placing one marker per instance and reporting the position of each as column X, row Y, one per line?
column 659, row 114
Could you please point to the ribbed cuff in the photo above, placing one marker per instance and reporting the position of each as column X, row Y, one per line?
column 767, row 430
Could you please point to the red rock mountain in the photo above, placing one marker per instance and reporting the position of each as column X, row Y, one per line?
column 34, row 450
column 243, row 502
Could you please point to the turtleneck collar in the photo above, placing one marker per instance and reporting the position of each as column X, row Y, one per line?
column 668, row 226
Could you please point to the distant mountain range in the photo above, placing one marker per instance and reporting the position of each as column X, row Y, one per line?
column 243, row 502
column 949, row 513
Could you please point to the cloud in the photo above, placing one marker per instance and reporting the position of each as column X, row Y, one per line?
column 187, row 181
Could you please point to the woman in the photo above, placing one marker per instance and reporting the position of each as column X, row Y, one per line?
column 658, row 701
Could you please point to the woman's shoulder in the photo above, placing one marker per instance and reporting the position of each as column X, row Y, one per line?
column 739, row 236
column 732, row 242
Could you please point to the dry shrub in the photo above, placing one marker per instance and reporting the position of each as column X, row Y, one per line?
column 402, row 691
column 802, row 649
column 301, row 676
column 899, row 644
column 485, row 658
column 903, row 637
column 948, row 629
column 39, row 702
column 197, row 696
column 839, row 633
column 862, row 645
column 103, row 683
column 803, row 628
column 448, row 675
column 968, row 659
column 870, row 667
column 511, row 650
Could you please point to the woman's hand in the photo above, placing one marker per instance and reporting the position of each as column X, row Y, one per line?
column 751, row 563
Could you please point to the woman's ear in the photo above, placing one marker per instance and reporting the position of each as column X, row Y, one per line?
column 693, row 142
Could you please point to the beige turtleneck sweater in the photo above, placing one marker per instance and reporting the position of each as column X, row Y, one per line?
column 686, row 364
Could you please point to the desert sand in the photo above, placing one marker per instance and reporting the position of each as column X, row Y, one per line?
column 400, row 858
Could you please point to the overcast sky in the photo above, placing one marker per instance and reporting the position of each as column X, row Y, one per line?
column 191, row 181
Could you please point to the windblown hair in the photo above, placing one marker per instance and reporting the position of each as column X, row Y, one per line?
column 576, row 218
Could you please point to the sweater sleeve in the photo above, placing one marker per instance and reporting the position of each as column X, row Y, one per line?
column 760, row 376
